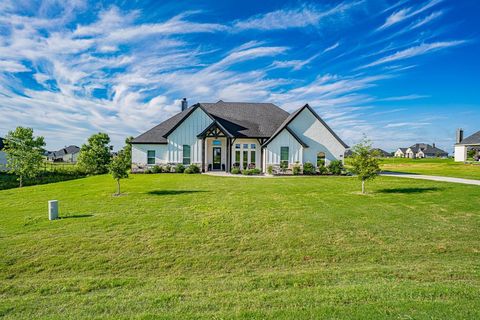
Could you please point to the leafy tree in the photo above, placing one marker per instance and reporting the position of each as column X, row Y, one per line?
column 24, row 153
column 128, row 150
column 364, row 162
column 95, row 155
column 118, row 168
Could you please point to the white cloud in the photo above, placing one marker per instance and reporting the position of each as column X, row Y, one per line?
column 403, row 98
column 12, row 66
column 415, row 51
column 407, row 13
column 427, row 19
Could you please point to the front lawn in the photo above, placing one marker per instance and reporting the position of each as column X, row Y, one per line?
column 436, row 167
column 195, row 246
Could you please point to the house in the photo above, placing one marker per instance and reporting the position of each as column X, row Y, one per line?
column 401, row 153
column 222, row 135
column 423, row 150
column 463, row 145
column 382, row 153
column 67, row 154
column 3, row 156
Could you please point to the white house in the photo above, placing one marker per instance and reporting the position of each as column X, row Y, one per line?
column 3, row 157
column 222, row 135
column 401, row 153
column 68, row 154
column 462, row 145
column 421, row 150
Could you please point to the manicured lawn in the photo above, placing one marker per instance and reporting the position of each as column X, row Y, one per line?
column 437, row 167
column 192, row 246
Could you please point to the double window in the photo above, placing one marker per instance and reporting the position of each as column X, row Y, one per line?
column 245, row 159
column 186, row 154
column 284, row 155
column 252, row 157
column 151, row 157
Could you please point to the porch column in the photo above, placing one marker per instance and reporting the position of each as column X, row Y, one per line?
column 227, row 155
column 203, row 154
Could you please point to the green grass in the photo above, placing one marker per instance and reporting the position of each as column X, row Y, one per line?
column 192, row 246
column 438, row 167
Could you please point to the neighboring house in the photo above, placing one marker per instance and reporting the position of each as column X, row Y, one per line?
column 462, row 145
column 3, row 156
column 423, row 150
column 401, row 153
column 222, row 135
column 382, row 153
column 67, row 154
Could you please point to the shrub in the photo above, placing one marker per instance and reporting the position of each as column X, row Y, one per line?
column 335, row 167
column 308, row 168
column 168, row 168
column 193, row 168
column 188, row 170
column 251, row 172
column 235, row 170
column 296, row 169
column 283, row 166
column 322, row 170
column 156, row 169
column 179, row 168
column 148, row 171
column 270, row 169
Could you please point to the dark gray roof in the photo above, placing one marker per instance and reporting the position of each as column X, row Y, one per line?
column 1, row 144
column 427, row 149
column 403, row 149
column 240, row 119
column 473, row 139
column 60, row 153
column 382, row 152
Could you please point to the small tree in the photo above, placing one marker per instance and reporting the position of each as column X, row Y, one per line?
column 24, row 153
column 95, row 155
column 128, row 149
column 118, row 168
column 364, row 162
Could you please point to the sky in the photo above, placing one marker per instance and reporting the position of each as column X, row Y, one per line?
column 399, row 72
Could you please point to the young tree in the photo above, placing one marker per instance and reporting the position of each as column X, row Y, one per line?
column 364, row 162
column 118, row 168
column 95, row 155
column 24, row 153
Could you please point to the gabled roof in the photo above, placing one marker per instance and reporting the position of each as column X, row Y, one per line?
column 403, row 149
column 60, row 153
column 293, row 115
column 240, row 119
column 427, row 149
column 382, row 152
column 473, row 139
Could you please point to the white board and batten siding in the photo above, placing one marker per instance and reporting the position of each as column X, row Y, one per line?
column 139, row 153
column 283, row 139
column 186, row 134
column 317, row 137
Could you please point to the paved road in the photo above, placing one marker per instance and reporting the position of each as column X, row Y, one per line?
column 432, row 178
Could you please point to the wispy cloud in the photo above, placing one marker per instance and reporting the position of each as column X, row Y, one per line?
column 403, row 98
column 406, row 13
column 427, row 19
column 415, row 51
column 293, row 18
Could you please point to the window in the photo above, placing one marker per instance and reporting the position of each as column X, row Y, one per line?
column 151, row 157
column 320, row 159
column 245, row 146
column 237, row 157
column 245, row 159
column 253, row 146
column 237, row 146
column 217, row 142
column 284, row 155
column 252, row 156
column 186, row 154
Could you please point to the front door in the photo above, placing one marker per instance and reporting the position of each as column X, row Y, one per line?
column 217, row 158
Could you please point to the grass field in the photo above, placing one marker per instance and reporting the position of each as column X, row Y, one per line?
column 195, row 246
column 436, row 167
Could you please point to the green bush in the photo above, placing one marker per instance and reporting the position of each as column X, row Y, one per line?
column 156, row 169
column 179, row 168
column 168, row 168
column 251, row 172
column 296, row 169
column 322, row 170
column 235, row 170
column 308, row 168
column 193, row 168
column 335, row 167
column 270, row 169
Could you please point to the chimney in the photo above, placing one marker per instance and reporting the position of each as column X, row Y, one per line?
column 184, row 104
column 433, row 144
column 459, row 137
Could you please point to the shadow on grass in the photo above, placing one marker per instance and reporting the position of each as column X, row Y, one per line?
column 410, row 190
column 172, row 192
column 76, row 216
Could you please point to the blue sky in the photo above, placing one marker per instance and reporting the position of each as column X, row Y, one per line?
column 398, row 71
